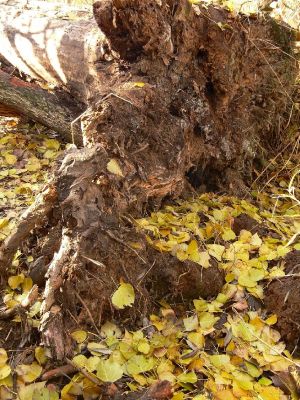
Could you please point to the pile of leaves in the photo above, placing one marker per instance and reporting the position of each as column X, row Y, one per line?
column 26, row 157
column 224, row 347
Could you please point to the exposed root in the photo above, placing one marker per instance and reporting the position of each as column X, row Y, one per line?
column 52, row 325
column 57, row 372
column 33, row 217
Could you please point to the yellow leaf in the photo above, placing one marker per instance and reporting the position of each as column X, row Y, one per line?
column 250, row 277
column 228, row 234
column 40, row 355
column 44, row 394
column 3, row 222
column 271, row 320
column 256, row 241
column 264, row 381
column 124, row 296
column 98, row 348
column 3, row 357
column 197, row 339
column 79, row 336
column 50, row 154
column 10, row 159
column 33, row 165
column 187, row 377
column 216, row 250
column 29, row 372
column 270, row 393
column 224, row 395
column 80, row 360
column 27, row 284
column 92, row 363
column 27, row 392
column 15, row 281
column 219, row 360
column 8, row 382
column 139, row 84
column 191, row 323
column 207, row 320
column 114, row 168
column 110, row 329
column 139, row 364
column 204, row 259
column 5, row 371
column 200, row 305
column 167, row 376
column 51, row 144
column 180, row 395
column 252, row 370
column 144, row 347
column 220, row 215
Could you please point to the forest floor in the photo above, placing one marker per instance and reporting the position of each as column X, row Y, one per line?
column 240, row 344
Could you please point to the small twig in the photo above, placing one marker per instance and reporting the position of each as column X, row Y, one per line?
column 98, row 263
column 140, row 279
column 88, row 311
column 92, row 378
column 57, row 372
column 267, row 344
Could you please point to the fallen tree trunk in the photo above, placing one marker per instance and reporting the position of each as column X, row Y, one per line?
column 39, row 105
column 50, row 43
column 187, row 96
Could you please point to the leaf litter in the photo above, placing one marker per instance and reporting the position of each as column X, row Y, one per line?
column 223, row 348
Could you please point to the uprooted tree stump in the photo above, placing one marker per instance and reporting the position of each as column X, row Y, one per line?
column 182, row 98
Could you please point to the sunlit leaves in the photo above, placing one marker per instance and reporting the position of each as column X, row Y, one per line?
column 124, row 296
column 191, row 323
column 79, row 336
column 109, row 371
column 41, row 355
column 5, row 371
column 24, row 160
column 138, row 364
column 114, row 167
column 233, row 351
column 29, row 372
column 15, row 281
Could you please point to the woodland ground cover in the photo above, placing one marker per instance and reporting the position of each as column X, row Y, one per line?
column 224, row 347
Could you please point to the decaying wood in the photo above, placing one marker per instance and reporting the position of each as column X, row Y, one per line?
column 41, row 106
column 179, row 102
column 6, row 111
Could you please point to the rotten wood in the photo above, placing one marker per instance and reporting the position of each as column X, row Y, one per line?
column 206, row 104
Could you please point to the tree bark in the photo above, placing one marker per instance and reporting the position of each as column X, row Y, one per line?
column 50, row 43
column 185, row 97
column 41, row 106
